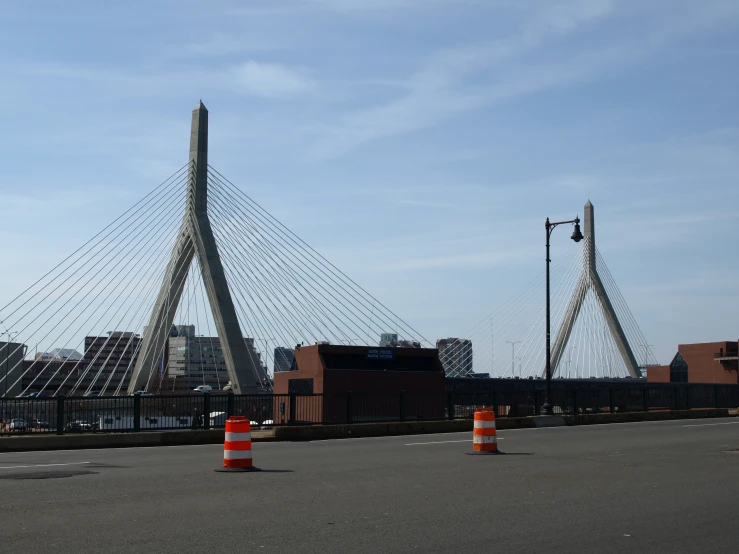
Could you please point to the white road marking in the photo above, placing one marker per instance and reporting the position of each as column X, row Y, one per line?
column 442, row 442
column 45, row 465
column 710, row 424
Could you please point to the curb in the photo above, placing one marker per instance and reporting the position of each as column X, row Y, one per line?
column 328, row 432
column 120, row 440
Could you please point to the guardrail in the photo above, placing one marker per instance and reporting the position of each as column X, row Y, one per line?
column 62, row 415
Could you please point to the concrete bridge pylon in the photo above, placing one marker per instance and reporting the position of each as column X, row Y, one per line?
column 195, row 238
column 590, row 282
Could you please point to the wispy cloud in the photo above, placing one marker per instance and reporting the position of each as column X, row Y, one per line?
column 346, row 7
column 436, row 92
column 271, row 80
column 222, row 44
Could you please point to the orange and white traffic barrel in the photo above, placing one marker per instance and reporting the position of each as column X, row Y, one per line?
column 484, row 435
column 237, row 445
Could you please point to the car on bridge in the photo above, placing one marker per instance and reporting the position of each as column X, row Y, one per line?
column 18, row 424
column 78, row 426
column 203, row 388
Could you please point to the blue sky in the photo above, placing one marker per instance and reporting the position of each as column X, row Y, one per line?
column 418, row 144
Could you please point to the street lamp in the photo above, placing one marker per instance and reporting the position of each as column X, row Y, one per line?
column 513, row 344
column 520, row 359
column 266, row 355
column 569, row 362
column 546, row 408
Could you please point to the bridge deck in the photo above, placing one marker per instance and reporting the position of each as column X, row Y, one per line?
column 652, row 487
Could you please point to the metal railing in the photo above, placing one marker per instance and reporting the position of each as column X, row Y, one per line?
column 509, row 398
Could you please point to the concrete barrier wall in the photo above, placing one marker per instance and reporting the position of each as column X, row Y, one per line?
column 326, row 432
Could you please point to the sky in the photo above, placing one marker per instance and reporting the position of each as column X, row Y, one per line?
column 418, row 144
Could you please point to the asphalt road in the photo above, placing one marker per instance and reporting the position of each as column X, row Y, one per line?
column 643, row 487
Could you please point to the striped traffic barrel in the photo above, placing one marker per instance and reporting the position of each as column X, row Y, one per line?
column 237, row 445
column 484, row 438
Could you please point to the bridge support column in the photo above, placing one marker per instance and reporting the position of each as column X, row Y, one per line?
column 196, row 239
column 590, row 282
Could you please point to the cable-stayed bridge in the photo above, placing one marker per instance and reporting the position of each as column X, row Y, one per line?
column 594, row 332
column 198, row 274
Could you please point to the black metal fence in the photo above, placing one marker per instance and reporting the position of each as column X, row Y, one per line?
column 509, row 398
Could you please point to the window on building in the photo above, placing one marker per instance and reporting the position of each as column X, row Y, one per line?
column 300, row 386
column 678, row 369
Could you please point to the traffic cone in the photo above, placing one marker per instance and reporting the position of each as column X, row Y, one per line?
column 484, row 435
column 237, row 446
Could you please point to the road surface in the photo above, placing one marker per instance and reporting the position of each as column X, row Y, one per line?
column 643, row 487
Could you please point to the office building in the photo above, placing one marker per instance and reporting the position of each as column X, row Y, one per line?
column 283, row 359
column 197, row 361
column 11, row 367
column 456, row 356
column 114, row 354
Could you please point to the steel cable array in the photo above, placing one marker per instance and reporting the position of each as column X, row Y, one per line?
column 510, row 342
column 80, row 327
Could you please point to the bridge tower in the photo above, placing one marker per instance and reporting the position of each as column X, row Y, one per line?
column 590, row 281
column 195, row 238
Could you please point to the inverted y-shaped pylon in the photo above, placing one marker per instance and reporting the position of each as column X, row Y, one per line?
column 196, row 238
column 590, row 281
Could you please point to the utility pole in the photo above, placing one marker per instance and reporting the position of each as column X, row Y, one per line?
column 646, row 355
column 569, row 361
column 513, row 344
column 492, row 349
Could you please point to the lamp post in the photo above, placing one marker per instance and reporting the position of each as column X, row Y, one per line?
column 513, row 344
column 569, row 362
column 646, row 356
column 546, row 408
column 266, row 355
column 520, row 359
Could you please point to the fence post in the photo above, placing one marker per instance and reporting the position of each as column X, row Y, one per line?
column 574, row 401
column 401, row 411
column 715, row 397
column 137, row 413
column 230, row 404
column 688, row 403
column 495, row 401
column 537, row 408
column 206, row 411
column 611, row 407
column 349, row 407
column 293, row 403
column 60, row 414
column 450, row 405
column 645, row 398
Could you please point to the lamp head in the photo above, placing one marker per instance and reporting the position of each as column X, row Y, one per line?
column 577, row 234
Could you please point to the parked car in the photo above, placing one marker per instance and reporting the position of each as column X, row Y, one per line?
column 143, row 393
column 41, row 424
column 91, row 393
column 36, row 395
column 18, row 424
column 77, row 427
column 203, row 388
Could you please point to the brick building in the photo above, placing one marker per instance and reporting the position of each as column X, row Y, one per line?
column 382, row 373
column 707, row 362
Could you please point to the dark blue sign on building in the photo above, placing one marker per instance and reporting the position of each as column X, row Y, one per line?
column 380, row 354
